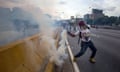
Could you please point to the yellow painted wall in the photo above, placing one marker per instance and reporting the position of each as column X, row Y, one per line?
column 17, row 57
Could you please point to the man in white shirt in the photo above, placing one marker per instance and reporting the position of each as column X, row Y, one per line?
column 84, row 34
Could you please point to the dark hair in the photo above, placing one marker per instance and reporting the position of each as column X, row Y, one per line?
column 81, row 23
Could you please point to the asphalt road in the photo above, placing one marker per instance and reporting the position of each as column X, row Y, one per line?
column 108, row 55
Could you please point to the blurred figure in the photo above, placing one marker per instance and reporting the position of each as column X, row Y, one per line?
column 84, row 34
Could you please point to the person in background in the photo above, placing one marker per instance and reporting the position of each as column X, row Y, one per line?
column 84, row 34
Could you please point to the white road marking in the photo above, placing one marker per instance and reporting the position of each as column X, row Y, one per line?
column 76, row 69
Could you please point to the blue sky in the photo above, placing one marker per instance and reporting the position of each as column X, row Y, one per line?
column 66, row 8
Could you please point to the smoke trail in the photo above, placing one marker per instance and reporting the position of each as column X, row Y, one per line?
column 47, row 41
column 60, row 54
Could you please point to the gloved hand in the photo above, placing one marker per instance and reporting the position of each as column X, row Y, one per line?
column 71, row 34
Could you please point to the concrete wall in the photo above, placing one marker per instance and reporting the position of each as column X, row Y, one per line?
column 17, row 57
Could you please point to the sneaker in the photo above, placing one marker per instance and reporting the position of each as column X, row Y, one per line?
column 92, row 60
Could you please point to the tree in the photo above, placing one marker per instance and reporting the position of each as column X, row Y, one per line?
column 118, row 21
column 112, row 20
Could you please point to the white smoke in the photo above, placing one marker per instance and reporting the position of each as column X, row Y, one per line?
column 48, row 6
column 60, row 54
column 57, row 55
column 47, row 41
column 12, row 34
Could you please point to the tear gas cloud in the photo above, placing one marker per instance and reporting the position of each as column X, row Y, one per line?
column 38, row 12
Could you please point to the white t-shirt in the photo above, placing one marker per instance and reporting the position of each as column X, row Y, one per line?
column 85, row 34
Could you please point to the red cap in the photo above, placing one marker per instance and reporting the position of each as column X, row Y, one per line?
column 81, row 23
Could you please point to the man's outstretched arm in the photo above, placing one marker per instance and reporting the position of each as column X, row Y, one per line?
column 71, row 34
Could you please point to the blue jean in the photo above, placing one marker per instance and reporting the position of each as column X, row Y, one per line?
column 84, row 46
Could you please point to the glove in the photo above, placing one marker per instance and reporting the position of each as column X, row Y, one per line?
column 71, row 34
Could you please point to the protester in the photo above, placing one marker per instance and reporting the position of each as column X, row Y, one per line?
column 84, row 34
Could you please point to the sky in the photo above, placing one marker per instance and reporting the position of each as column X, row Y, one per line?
column 67, row 8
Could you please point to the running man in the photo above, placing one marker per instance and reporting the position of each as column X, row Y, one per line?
column 84, row 34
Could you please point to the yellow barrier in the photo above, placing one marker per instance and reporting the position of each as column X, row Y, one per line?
column 17, row 57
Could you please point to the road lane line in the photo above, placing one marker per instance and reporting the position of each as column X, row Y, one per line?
column 75, row 66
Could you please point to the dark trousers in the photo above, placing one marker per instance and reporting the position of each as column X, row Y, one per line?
column 84, row 46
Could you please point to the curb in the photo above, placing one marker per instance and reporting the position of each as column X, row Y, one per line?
column 75, row 66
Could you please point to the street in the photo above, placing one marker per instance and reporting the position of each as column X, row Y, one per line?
column 107, row 43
